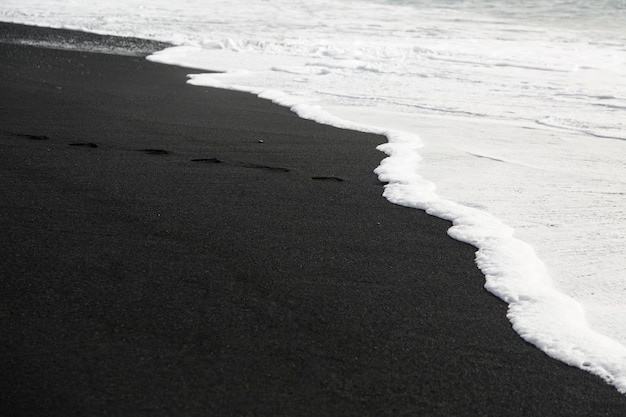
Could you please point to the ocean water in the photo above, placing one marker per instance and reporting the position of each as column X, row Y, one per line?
column 507, row 117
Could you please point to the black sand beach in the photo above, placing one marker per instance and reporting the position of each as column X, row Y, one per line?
column 169, row 250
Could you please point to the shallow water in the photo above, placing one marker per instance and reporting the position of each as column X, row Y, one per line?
column 505, row 117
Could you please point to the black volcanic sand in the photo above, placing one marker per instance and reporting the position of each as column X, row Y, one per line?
column 170, row 250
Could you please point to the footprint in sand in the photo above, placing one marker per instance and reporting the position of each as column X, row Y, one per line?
column 208, row 160
column 155, row 151
column 328, row 178
column 255, row 166
column 241, row 164
column 331, row 178
column 27, row 135
column 84, row 144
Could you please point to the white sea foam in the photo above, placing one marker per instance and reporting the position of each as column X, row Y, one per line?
column 507, row 121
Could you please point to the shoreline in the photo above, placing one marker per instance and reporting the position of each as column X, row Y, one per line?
column 74, row 40
column 160, row 257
